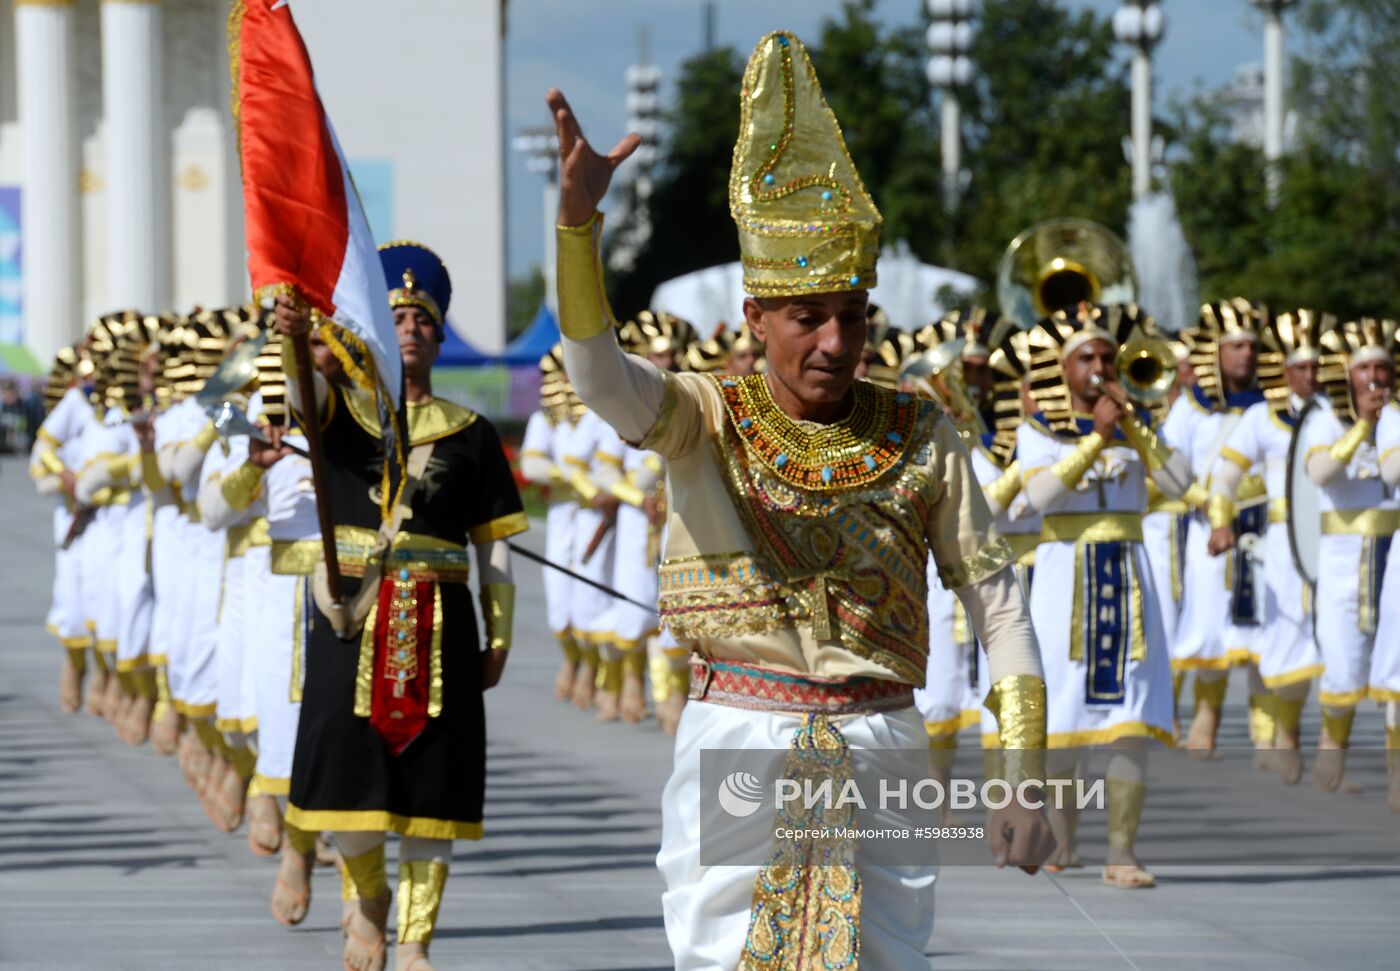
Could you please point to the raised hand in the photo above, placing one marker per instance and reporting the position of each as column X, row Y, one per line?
column 584, row 175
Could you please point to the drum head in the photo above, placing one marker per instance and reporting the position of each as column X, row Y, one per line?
column 1304, row 512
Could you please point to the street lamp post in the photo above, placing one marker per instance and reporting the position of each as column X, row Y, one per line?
column 643, row 119
column 949, row 69
column 1140, row 23
column 1273, row 88
column 540, row 146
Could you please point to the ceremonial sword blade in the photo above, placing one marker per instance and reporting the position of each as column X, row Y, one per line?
column 1092, row 923
column 572, row 575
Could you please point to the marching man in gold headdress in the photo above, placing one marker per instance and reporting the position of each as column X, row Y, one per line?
column 1288, row 658
column 804, row 506
column 1086, row 456
column 1385, row 659
column 1358, row 521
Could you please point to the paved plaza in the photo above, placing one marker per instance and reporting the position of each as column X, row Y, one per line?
column 107, row 861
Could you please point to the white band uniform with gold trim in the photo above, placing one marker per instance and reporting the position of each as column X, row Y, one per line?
column 1385, row 656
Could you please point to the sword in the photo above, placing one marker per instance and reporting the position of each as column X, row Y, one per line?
column 1092, row 923
column 581, row 579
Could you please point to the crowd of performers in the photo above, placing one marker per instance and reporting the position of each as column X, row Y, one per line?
column 989, row 526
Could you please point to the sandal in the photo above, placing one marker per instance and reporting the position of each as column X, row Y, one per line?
column 264, row 826
column 300, row 899
column 372, row 951
column 1128, row 877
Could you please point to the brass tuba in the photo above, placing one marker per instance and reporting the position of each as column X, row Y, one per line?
column 938, row 372
column 1059, row 263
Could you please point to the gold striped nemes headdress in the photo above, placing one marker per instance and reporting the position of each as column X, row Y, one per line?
column 806, row 223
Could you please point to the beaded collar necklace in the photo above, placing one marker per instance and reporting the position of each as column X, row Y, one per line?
column 854, row 451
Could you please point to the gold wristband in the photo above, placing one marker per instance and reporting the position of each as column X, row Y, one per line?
column 52, row 463
column 1018, row 702
column 1345, row 447
column 206, row 437
column 498, row 609
column 583, row 304
column 1072, row 467
column 241, row 486
column 1154, row 453
column 1220, row 511
column 1196, row 496
column 1006, row 487
column 627, row 492
column 586, row 490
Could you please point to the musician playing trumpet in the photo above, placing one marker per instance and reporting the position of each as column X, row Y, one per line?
column 1087, row 455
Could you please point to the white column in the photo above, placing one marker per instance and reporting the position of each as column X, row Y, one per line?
column 52, row 269
column 952, row 150
column 1273, row 94
column 1142, row 123
column 138, row 186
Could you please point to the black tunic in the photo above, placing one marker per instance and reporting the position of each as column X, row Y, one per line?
column 344, row 775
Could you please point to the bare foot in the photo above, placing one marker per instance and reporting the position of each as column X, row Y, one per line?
column 364, row 935
column 97, row 688
column 583, row 687
column 70, row 688
column 668, row 712
column 607, row 706
column 633, row 702
column 1329, row 766
column 138, row 720
column 165, row 732
column 112, row 698
column 412, row 957
column 1128, row 876
column 1200, row 740
column 564, row 680
column 291, row 894
column 264, row 825
column 1288, row 762
column 230, row 799
column 194, row 761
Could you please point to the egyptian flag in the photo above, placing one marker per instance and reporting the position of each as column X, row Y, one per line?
column 306, row 229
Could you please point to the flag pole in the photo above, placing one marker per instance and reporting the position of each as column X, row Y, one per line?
column 311, row 425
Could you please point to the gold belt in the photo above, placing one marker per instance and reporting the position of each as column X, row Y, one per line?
column 1278, row 510
column 1177, row 507
column 245, row 536
column 1092, row 527
column 424, row 557
column 1360, row 522
column 1252, row 487
column 1022, row 544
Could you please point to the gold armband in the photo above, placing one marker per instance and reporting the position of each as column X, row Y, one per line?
column 206, row 437
column 52, row 464
column 150, row 472
column 241, row 486
column 498, row 609
column 1018, row 702
column 626, row 491
column 586, row 490
column 1154, row 453
column 1220, row 511
column 583, row 305
column 1072, row 467
column 1006, row 487
column 1345, row 447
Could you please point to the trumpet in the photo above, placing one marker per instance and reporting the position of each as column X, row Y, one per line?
column 1146, row 369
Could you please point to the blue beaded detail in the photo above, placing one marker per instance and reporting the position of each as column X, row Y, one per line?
column 894, row 437
column 728, row 383
column 870, row 462
column 826, row 196
column 855, row 280
column 826, row 473
column 768, row 179
column 802, row 261
column 402, row 635
column 404, row 574
column 746, row 423
column 901, row 398
column 782, row 39
column 780, row 459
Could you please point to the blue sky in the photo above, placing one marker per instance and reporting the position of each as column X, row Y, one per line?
column 584, row 46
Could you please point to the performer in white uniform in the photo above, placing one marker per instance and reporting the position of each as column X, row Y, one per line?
column 588, row 606
column 1220, row 612
column 1359, row 518
column 541, row 462
column 1107, row 668
column 1385, row 659
column 49, row 465
column 756, row 475
column 1288, row 661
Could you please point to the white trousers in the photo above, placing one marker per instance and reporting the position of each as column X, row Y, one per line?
column 707, row 907
column 281, row 623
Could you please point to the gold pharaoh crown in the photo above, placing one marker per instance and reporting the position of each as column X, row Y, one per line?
column 1228, row 320
column 1349, row 344
column 1298, row 334
column 982, row 330
column 1055, row 337
column 806, row 223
